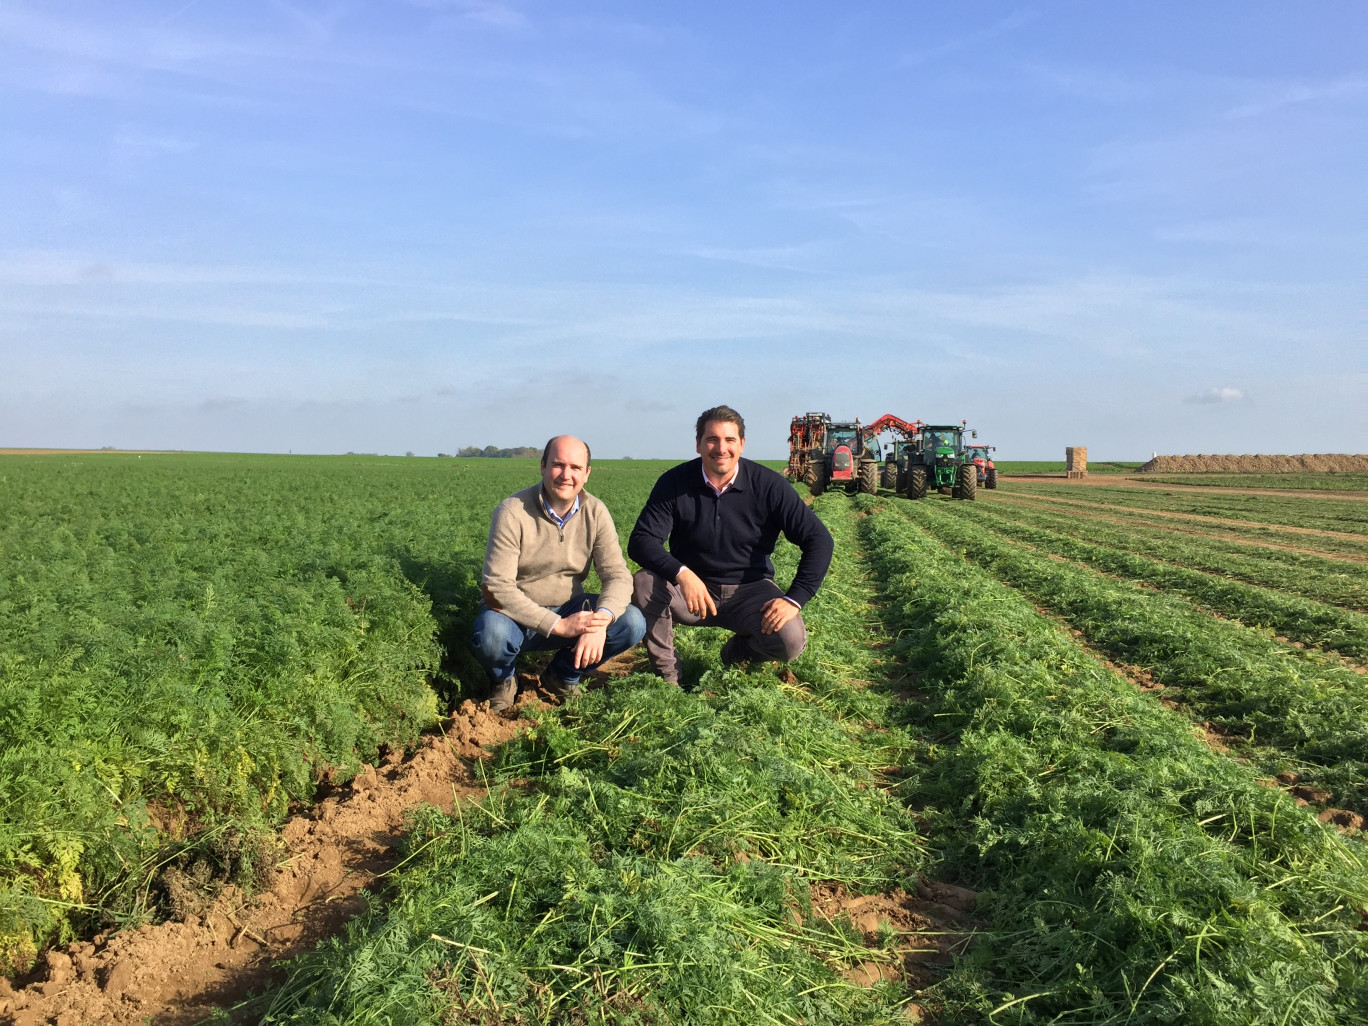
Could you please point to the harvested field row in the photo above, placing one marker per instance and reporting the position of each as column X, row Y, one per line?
column 1335, row 516
column 1319, row 463
column 1341, row 582
column 1300, row 619
column 1335, row 544
column 1311, row 486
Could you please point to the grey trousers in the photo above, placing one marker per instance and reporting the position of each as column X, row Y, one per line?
column 739, row 609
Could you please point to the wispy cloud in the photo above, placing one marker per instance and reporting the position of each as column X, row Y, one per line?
column 800, row 258
column 1215, row 396
column 487, row 12
column 44, row 269
column 1275, row 96
column 968, row 41
column 1226, row 231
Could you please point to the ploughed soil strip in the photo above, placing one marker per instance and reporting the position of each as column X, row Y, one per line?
column 1052, row 505
column 224, row 953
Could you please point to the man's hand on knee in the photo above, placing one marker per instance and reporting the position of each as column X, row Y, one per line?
column 777, row 612
column 585, row 622
column 696, row 594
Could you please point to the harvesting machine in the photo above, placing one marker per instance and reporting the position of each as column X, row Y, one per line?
column 977, row 454
column 824, row 452
column 895, row 463
column 937, row 459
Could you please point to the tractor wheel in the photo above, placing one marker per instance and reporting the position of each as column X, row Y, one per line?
column 916, row 483
column 900, row 481
column 815, row 478
column 869, row 477
column 968, row 481
column 890, row 475
column 992, row 479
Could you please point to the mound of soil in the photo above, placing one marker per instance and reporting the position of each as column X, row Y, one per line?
column 1319, row 463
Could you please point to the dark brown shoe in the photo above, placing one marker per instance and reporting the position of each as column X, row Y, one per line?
column 503, row 695
column 552, row 683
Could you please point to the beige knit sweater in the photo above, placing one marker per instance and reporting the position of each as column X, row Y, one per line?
column 532, row 563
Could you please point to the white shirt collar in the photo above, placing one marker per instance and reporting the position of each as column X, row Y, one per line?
column 725, row 484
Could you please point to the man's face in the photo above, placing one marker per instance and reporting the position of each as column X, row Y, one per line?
column 721, row 446
column 565, row 470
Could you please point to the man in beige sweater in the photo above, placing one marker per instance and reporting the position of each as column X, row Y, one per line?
column 542, row 542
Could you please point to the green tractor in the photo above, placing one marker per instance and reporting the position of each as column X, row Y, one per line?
column 937, row 459
column 895, row 465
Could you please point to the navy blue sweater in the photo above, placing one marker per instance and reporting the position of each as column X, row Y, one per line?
column 728, row 539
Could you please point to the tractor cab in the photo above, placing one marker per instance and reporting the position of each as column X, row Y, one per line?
column 977, row 454
column 843, row 441
column 942, row 442
column 844, row 434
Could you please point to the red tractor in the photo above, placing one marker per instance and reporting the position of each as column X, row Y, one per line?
column 824, row 452
column 978, row 456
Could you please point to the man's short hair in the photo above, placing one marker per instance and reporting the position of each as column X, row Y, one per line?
column 723, row 415
column 588, row 460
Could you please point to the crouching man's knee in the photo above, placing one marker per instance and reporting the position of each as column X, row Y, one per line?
column 785, row 645
column 497, row 640
column 793, row 637
column 629, row 628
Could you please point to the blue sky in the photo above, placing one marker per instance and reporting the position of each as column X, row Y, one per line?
column 415, row 226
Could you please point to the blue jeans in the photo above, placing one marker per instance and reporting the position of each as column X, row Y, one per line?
column 498, row 639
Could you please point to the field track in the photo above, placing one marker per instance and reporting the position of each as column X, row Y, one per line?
column 1032, row 768
column 1081, row 510
column 1195, row 518
column 1128, row 481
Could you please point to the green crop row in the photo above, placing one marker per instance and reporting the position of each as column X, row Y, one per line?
column 1298, row 618
column 1308, row 709
column 647, row 855
column 1333, row 581
column 1339, row 515
column 1130, row 874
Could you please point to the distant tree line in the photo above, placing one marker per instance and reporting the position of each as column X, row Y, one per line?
column 493, row 452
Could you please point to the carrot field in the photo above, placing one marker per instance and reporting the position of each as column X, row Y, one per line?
column 1074, row 754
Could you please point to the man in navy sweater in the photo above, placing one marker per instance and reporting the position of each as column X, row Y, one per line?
column 722, row 516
